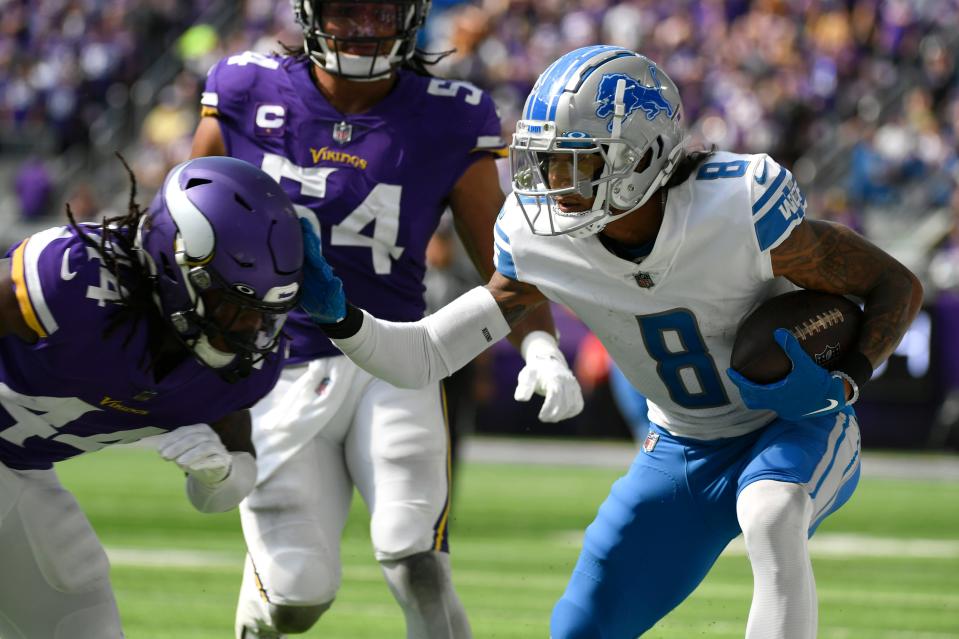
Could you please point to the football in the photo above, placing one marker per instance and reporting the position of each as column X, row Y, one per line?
column 825, row 325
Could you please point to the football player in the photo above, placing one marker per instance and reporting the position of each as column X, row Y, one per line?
column 372, row 150
column 662, row 252
column 163, row 321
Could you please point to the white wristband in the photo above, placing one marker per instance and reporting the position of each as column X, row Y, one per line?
column 228, row 493
column 539, row 344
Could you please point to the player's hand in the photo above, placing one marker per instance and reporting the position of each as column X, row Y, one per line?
column 322, row 294
column 198, row 451
column 546, row 373
column 808, row 391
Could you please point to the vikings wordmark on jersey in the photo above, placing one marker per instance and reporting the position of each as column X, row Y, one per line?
column 376, row 183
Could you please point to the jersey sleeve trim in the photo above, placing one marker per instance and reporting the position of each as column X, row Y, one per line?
column 26, row 281
column 502, row 255
column 209, row 104
column 491, row 144
column 780, row 209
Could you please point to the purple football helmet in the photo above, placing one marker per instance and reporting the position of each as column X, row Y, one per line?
column 224, row 247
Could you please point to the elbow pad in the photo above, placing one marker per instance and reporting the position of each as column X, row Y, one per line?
column 228, row 493
column 417, row 354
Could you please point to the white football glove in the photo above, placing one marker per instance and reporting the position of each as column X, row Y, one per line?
column 546, row 373
column 197, row 450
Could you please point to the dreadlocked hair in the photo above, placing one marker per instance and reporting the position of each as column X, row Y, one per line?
column 115, row 247
column 688, row 164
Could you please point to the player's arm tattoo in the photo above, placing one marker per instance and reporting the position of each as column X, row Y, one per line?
column 829, row 257
column 515, row 299
column 235, row 431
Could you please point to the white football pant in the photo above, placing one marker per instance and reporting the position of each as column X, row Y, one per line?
column 56, row 582
column 324, row 429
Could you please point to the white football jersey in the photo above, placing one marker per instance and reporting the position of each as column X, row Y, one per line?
column 669, row 322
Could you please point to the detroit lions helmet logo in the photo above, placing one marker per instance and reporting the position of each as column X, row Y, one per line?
column 636, row 97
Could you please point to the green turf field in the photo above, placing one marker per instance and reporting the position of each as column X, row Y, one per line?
column 887, row 564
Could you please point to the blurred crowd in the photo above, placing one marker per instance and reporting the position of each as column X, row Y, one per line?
column 63, row 62
column 784, row 77
column 798, row 79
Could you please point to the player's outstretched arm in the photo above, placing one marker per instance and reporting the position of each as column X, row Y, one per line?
column 417, row 354
column 476, row 200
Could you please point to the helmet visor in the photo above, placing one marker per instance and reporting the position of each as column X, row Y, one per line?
column 362, row 28
column 235, row 323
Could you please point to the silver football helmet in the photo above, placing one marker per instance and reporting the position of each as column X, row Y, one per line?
column 602, row 123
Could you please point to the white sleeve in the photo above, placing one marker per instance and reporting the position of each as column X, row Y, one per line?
column 417, row 354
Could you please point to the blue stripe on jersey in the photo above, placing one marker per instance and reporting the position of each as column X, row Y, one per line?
column 787, row 212
column 761, row 202
column 503, row 260
column 542, row 102
column 501, row 233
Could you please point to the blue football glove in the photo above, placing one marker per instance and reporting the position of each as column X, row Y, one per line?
column 322, row 294
column 808, row 391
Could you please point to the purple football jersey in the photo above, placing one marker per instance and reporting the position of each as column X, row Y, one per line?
column 78, row 389
column 376, row 182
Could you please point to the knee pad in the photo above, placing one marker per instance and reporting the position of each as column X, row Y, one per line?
column 401, row 530
column 570, row 621
column 293, row 564
column 65, row 547
column 299, row 578
column 773, row 508
column 295, row 620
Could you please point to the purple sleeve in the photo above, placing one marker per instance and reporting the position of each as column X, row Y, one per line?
column 231, row 90
column 487, row 130
column 472, row 129
column 57, row 282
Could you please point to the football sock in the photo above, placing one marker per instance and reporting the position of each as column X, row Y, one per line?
column 421, row 585
column 775, row 517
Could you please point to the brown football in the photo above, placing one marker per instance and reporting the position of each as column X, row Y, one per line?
column 826, row 325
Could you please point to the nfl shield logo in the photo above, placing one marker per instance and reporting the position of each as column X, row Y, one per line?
column 650, row 443
column 323, row 386
column 644, row 280
column 342, row 133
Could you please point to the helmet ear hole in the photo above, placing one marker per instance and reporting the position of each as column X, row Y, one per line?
column 643, row 164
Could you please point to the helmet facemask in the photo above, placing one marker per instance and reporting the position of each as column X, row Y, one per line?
column 361, row 41
column 225, row 327
column 547, row 169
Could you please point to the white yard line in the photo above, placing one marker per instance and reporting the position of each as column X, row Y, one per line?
column 822, row 545
column 503, row 450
